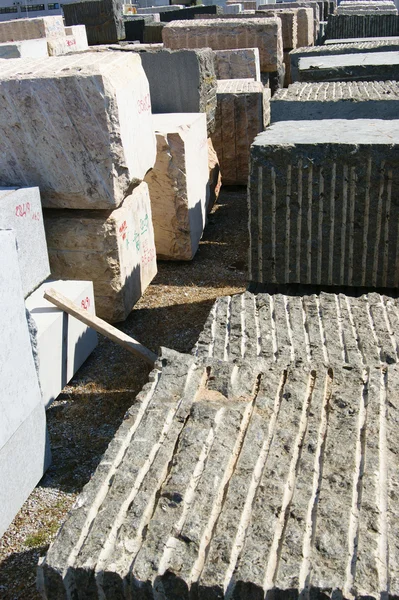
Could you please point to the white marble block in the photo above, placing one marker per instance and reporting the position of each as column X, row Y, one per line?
column 24, row 452
column 21, row 211
column 76, row 38
column 24, row 49
column 61, row 342
column 178, row 184
column 77, row 126
column 114, row 249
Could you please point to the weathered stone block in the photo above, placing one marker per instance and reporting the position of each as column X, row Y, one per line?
column 358, row 26
column 242, row 112
column 61, row 343
column 99, row 137
column 321, row 203
column 178, row 184
column 336, row 100
column 21, row 211
column 289, row 24
column 31, row 29
column 359, row 47
column 369, row 8
column 113, row 249
column 303, row 19
column 24, row 452
column 225, row 34
column 76, row 38
column 241, row 63
column 305, row 33
column 103, row 19
column 372, row 66
column 24, row 49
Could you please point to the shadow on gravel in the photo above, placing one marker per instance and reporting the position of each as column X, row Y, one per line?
column 19, row 570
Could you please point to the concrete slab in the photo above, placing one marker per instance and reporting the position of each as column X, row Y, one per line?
column 321, row 209
column 95, row 149
column 24, row 49
column 228, row 34
column 178, row 184
column 24, row 451
column 243, row 111
column 240, row 63
column 115, row 249
column 372, row 66
column 61, row 342
column 21, row 211
column 336, row 100
column 360, row 47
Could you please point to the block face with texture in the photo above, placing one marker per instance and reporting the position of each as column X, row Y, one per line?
column 242, row 110
column 23, row 457
column 240, row 63
column 113, row 249
column 103, row 20
column 367, row 8
column 99, row 137
column 341, row 48
column 336, row 100
column 312, row 26
column 32, row 29
column 21, row 211
column 225, row 34
column 61, row 342
column 24, row 49
column 76, row 38
column 216, row 473
column 289, row 23
column 358, row 26
column 321, row 203
column 372, row 66
column 178, row 184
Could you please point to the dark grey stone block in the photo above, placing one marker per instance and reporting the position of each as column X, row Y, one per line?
column 357, row 26
column 102, row 18
column 372, row 66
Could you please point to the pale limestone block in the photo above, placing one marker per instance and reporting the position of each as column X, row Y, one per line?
column 61, row 343
column 21, row 211
column 215, row 178
column 32, row 29
column 24, row 49
column 178, row 184
column 76, row 38
column 87, row 134
column 306, row 36
column 114, row 249
column 225, row 34
column 240, row 63
column 242, row 112
column 289, row 23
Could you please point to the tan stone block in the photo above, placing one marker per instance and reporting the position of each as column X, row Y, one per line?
column 225, row 34
column 178, row 184
column 79, row 127
column 242, row 112
column 289, row 23
column 215, row 177
column 115, row 249
column 32, row 29
column 306, row 35
column 240, row 63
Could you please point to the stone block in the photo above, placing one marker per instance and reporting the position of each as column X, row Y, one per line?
column 21, row 211
column 359, row 47
column 215, row 178
column 31, row 29
column 241, row 63
column 358, row 26
column 114, row 249
column 303, row 19
column 24, row 49
column 153, row 33
column 24, row 450
column 289, row 24
column 61, row 343
column 242, row 112
column 232, row 9
column 288, row 74
column 178, row 184
column 321, row 203
column 99, row 137
column 336, row 100
column 229, row 34
column 76, row 38
column 305, row 34
column 372, row 66
column 362, row 40
column 102, row 18
column 370, row 8
column 191, row 12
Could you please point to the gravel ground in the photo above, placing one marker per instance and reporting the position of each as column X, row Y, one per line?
column 86, row 415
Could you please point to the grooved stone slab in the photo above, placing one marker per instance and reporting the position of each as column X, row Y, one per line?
column 373, row 66
column 242, row 112
column 21, row 211
column 99, row 136
column 24, row 453
column 115, row 249
column 360, row 26
column 24, row 49
column 240, row 63
column 225, row 34
column 343, row 48
column 61, row 342
column 220, row 469
column 178, row 184
column 336, row 100
column 321, row 203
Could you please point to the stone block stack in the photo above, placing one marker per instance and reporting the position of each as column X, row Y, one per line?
column 97, row 149
column 313, row 5
column 49, row 28
column 289, row 22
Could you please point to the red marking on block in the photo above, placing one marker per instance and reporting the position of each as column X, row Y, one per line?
column 21, row 210
column 123, row 230
column 144, row 104
column 85, row 304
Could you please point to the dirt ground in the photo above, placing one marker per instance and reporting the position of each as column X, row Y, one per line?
column 86, row 415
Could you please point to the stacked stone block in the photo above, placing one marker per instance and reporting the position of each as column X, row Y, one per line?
column 321, row 197
column 24, row 49
column 49, row 28
column 241, row 63
column 243, row 111
column 361, row 26
column 289, row 21
column 372, row 66
column 302, row 4
column 374, row 7
column 178, row 184
column 76, row 38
